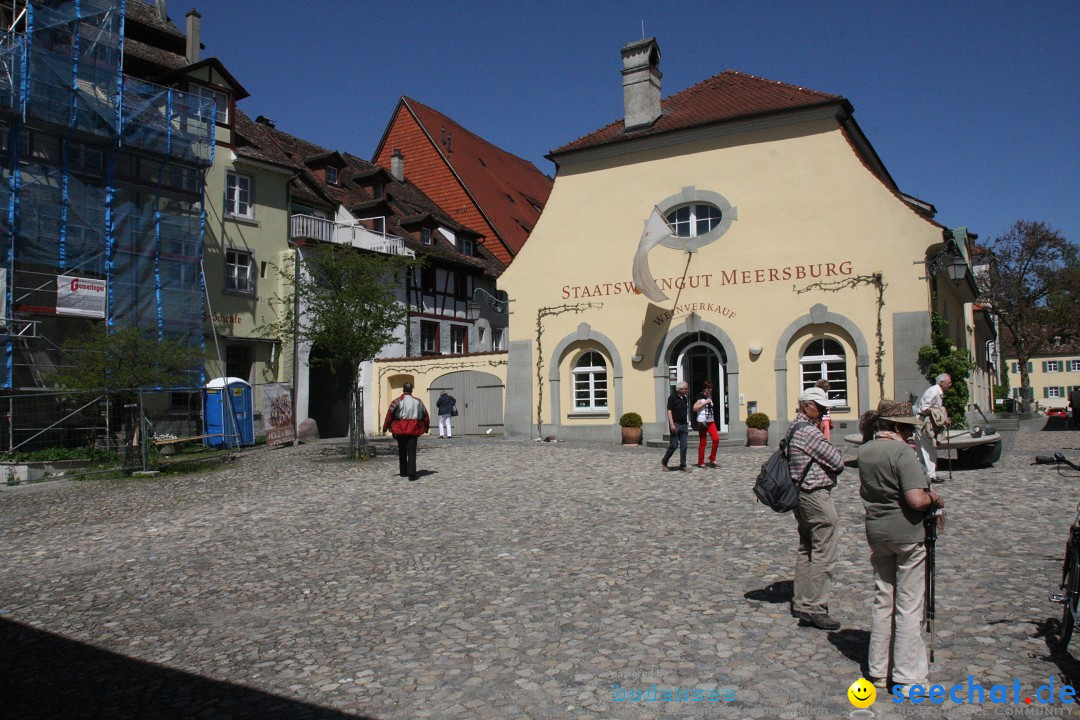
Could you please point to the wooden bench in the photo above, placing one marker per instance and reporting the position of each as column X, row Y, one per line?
column 177, row 441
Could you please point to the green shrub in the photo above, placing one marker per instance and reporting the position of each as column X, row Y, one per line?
column 630, row 419
column 56, row 454
column 941, row 356
column 758, row 420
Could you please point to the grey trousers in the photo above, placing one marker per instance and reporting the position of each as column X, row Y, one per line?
column 679, row 439
column 818, row 539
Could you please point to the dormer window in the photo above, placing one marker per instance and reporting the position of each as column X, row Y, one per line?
column 378, row 190
column 221, row 101
column 467, row 246
column 331, row 175
column 425, row 235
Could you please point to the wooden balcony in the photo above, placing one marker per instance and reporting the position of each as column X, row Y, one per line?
column 305, row 227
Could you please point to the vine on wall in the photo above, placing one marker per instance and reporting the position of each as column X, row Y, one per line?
column 409, row 369
column 542, row 313
column 877, row 281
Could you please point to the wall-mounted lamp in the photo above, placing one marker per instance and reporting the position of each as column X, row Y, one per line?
column 957, row 269
column 755, row 350
column 494, row 304
column 638, row 358
column 950, row 257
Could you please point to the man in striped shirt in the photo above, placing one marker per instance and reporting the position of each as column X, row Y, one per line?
column 816, row 515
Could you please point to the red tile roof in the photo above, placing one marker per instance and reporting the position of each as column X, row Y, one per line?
column 505, row 191
column 731, row 95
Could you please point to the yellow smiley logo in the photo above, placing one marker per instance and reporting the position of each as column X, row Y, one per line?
column 861, row 693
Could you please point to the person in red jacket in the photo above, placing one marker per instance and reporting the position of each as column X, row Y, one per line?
column 407, row 419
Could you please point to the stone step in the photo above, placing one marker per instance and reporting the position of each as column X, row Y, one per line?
column 725, row 441
column 1001, row 421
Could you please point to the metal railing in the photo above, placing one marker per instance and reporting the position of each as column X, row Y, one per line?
column 358, row 236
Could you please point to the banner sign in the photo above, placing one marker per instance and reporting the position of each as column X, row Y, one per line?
column 278, row 414
column 80, row 296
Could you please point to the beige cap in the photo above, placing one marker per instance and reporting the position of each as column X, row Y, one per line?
column 817, row 395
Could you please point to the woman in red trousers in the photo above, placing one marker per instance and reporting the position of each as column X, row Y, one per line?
column 706, row 419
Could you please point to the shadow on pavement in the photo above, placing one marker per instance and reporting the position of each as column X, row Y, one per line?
column 778, row 592
column 44, row 676
column 1067, row 664
column 854, row 645
column 1058, row 424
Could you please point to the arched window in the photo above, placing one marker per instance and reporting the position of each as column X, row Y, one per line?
column 590, row 382
column 694, row 219
column 824, row 359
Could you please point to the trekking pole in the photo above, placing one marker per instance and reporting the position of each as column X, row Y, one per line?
column 948, row 450
column 930, row 521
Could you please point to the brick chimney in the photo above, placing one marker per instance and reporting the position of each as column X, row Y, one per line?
column 194, row 28
column 641, row 83
column 397, row 165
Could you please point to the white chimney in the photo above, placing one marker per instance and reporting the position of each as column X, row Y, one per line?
column 641, row 83
column 162, row 12
column 397, row 165
column 194, row 26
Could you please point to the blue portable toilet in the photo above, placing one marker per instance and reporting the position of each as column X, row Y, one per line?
column 230, row 413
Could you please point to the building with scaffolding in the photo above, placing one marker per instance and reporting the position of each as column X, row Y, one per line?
column 102, row 192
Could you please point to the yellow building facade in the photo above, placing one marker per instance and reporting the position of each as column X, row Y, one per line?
column 791, row 256
column 1053, row 375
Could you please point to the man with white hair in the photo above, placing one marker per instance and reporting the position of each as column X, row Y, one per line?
column 814, row 465
column 931, row 407
column 678, row 425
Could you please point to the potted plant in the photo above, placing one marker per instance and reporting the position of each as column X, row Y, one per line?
column 757, row 429
column 631, row 428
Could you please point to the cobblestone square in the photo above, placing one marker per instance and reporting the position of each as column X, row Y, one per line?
column 512, row 580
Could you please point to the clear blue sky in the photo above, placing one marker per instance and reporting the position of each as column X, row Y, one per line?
column 973, row 106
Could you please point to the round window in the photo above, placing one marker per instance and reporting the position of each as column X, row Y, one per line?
column 697, row 218
column 694, row 220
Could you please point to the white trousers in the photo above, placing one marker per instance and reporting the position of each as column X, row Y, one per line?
column 927, row 451
column 444, row 422
column 896, row 640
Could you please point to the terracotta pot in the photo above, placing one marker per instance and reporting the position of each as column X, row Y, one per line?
column 756, row 437
column 631, row 436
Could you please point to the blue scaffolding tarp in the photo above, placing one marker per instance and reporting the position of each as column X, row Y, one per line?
column 103, row 174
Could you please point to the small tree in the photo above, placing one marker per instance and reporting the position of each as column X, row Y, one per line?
column 1001, row 390
column 941, row 356
column 123, row 361
column 1030, row 287
column 347, row 308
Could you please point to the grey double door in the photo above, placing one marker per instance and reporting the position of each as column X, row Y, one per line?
column 479, row 398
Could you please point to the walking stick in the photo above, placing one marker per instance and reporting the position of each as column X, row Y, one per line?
column 930, row 521
column 948, row 450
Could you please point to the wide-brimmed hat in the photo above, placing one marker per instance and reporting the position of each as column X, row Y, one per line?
column 815, row 394
column 897, row 411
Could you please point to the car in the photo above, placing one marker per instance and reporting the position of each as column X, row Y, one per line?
column 1057, row 412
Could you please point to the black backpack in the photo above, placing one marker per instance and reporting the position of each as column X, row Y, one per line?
column 774, row 485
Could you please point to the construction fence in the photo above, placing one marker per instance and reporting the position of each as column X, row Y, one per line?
column 133, row 423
